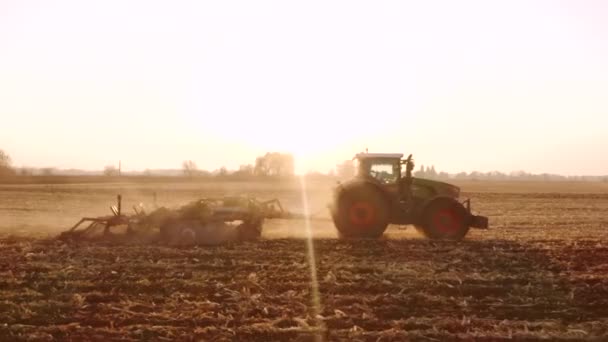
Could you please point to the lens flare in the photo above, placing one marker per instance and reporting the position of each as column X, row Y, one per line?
column 314, row 284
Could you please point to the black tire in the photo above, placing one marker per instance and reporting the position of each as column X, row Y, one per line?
column 361, row 212
column 179, row 232
column 250, row 230
column 444, row 218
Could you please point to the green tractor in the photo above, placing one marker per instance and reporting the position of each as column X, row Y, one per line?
column 380, row 195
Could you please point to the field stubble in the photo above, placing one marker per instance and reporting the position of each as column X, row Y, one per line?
column 540, row 272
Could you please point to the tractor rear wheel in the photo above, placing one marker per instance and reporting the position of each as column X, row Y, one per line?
column 444, row 219
column 361, row 212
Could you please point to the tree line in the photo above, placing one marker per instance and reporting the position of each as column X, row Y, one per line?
column 346, row 170
column 430, row 173
column 270, row 165
column 281, row 165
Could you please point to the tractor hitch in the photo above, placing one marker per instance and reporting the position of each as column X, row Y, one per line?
column 476, row 221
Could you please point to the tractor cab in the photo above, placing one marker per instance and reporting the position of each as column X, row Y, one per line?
column 387, row 171
column 384, row 168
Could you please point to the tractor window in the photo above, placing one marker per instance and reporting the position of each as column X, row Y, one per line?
column 384, row 172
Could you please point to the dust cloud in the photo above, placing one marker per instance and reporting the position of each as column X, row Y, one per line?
column 48, row 210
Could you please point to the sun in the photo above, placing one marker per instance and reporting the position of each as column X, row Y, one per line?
column 302, row 160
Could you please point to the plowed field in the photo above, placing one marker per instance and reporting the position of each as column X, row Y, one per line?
column 541, row 271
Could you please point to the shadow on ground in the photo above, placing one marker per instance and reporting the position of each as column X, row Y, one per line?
column 368, row 290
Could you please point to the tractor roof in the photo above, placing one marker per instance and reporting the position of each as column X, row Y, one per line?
column 379, row 155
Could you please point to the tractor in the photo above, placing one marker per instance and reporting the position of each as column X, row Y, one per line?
column 380, row 194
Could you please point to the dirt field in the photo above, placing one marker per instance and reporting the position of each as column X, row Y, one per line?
column 540, row 272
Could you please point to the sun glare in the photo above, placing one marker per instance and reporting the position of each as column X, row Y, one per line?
column 314, row 284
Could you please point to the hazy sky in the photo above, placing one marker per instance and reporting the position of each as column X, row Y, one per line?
column 464, row 85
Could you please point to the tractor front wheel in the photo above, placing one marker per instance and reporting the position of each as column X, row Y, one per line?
column 444, row 219
column 361, row 212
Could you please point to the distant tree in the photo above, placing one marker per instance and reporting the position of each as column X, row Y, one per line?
column 274, row 164
column 5, row 165
column 427, row 172
column 261, row 166
column 222, row 171
column 287, row 165
column 25, row 171
column 475, row 175
column 420, row 173
column 461, row 175
column 48, row 171
column 346, row 169
column 189, row 168
column 110, row 171
column 203, row 173
column 430, row 172
column 496, row 175
column 5, row 159
column 244, row 171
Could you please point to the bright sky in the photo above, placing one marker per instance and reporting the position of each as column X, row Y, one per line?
column 464, row 85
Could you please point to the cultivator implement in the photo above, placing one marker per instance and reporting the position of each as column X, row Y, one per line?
column 87, row 225
column 204, row 221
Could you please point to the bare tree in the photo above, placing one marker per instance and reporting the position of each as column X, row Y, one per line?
column 48, row 171
column 246, row 170
column 222, row 171
column 5, row 159
column 25, row 171
column 110, row 171
column 274, row 164
column 189, row 168
column 5, row 164
column 420, row 173
column 261, row 166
